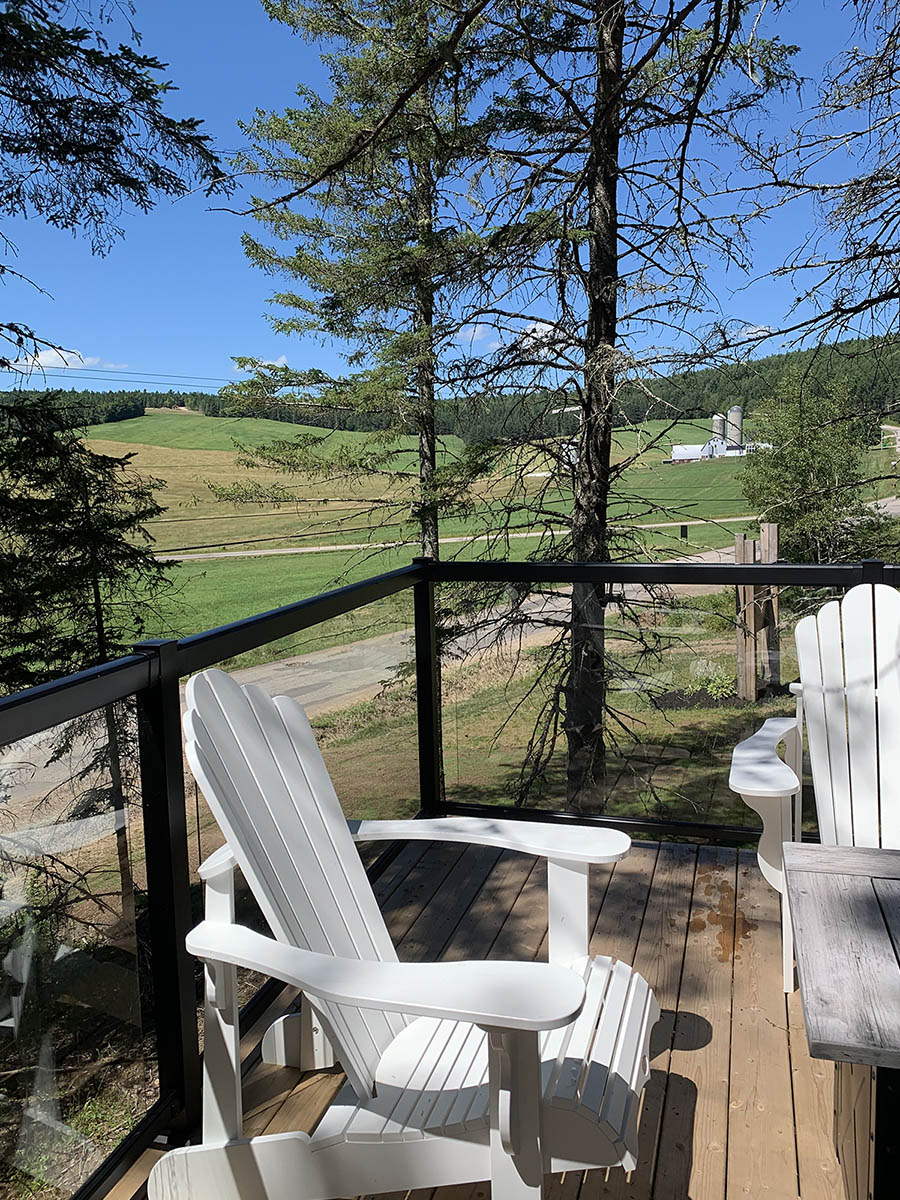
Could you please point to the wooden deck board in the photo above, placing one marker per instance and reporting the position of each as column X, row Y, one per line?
column 693, row 1144
column 813, row 1083
column 735, row 1109
column 762, row 1146
column 660, row 959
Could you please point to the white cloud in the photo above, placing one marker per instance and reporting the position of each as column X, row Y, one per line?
column 280, row 361
column 474, row 333
column 538, row 337
column 72, row 360
column 755, row 331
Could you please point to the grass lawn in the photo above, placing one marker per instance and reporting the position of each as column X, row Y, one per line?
column 215, row 592
column 193, row 431
column 668, row 762
column 188, row 452
column 223, row 590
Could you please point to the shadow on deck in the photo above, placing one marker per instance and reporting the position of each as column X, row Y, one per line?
column 735, row 1106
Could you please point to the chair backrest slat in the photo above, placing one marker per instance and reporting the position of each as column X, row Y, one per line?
column 858, row 629
column 806, row 636
column 887, row 671
column 848, row 657
column 261, row 771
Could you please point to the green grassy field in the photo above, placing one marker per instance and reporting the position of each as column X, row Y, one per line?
column 188, row 452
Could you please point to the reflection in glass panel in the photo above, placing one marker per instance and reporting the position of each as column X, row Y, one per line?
column 77, row 1054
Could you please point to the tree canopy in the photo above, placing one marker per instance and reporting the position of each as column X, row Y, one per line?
column 813, row 478
column 84, row 131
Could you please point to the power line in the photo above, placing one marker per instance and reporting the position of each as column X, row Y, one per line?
column 126, row 374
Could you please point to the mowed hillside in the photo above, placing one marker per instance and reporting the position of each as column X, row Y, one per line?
column 188, row 452
column 335, row 519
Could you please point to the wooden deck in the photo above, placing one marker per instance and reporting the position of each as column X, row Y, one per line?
column 735, row 1106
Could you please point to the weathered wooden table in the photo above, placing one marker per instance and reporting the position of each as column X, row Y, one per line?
column 845, row 909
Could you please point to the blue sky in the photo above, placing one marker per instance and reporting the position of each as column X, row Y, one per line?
column 176, row 298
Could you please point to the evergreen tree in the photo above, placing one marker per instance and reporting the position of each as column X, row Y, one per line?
column 813, row 477
column 597, row 190
column 375, row 254
column 79, row 582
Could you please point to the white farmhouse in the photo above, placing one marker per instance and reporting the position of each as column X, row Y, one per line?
column 686, row 453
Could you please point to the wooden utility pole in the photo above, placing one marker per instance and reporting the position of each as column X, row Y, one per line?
column 756, row 612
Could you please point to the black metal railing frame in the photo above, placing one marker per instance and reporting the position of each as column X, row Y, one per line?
column 152, row 675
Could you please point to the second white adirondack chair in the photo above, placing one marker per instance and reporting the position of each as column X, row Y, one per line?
column 456, row 1072
column 848, row 698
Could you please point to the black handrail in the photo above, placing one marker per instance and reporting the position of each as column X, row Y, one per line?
column 812, row 575
column 153, row 672
column 26, row 713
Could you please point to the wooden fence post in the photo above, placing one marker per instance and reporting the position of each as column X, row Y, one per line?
column 769, row 641
column 745, row 622
column 756, row 618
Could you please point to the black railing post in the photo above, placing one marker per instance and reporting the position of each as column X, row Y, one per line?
column 428, row 695
column 872, row 570
column 169, row 887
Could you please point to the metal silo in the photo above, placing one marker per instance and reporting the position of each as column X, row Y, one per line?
column 718, row 425
column 735, row 434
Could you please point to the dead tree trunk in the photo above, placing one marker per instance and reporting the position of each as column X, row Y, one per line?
column 426, row 387
column 587, row 686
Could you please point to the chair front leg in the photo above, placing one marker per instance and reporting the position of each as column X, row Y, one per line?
column 222, row 1104
column 568, row 910
column 514, row 1072
column 777, row 813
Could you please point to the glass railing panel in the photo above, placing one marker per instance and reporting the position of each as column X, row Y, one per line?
column 673, row 713
column 77, row 1044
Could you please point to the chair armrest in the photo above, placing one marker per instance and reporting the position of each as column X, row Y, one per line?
column 504, row 995
column 756, row 769
column 562, row 843
column 220, row 862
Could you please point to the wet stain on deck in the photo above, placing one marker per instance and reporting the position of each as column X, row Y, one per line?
column 734, row 927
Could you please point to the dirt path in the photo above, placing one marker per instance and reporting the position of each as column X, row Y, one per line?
column 461, row 540
column 889, row 505
column 342, row 675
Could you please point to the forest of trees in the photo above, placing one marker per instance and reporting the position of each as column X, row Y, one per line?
column 869, row 372
column 86, row 408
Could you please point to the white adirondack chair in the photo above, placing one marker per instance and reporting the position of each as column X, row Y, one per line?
column 456, row 1072
column 848, row 698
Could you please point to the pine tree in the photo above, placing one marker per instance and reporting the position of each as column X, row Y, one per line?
column 375, row 255
column 601, row 178
column 80, row 581
column 812, row 476
column 615, row 146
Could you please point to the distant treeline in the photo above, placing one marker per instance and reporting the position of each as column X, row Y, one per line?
column 473, row 420
column 88, row 408
column 99, row 408
column 869, row 372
